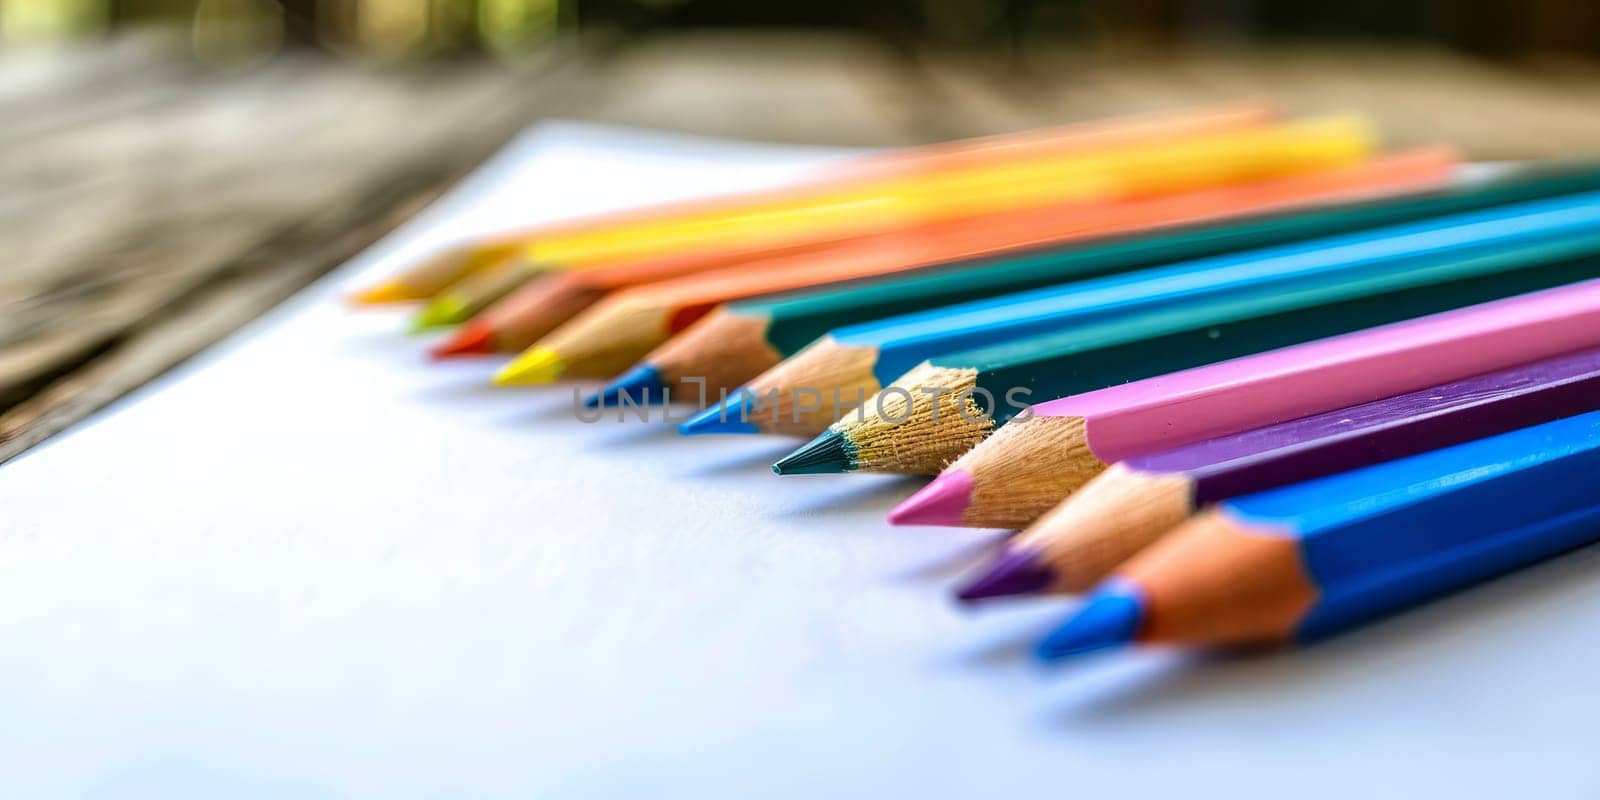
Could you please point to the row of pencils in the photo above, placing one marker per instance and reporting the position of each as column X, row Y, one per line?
column 1236, row 378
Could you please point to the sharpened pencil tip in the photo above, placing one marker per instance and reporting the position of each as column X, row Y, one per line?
column 1109, row 617
column 384, row 294
column 538, row 365
column 472, row 339
column 943, row 502
column 441, row 312
column 725, row 418
column 642, row 385
column 829, row 453
column 1019, row 571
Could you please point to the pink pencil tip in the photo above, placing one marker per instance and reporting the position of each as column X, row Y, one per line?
column 942, row 502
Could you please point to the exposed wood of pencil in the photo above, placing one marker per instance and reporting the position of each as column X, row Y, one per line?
column 1215, row 581
column 825, row 376
column 454, row 266
column 483, row 288
column 681, row 301
column 1027, row 466
column 724, row 350
column 609, row 336
column 913, row 425
column 523, row 318
column 536, row 309
column 1116, row 514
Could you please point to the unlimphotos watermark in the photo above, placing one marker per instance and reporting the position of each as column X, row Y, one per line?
column 894, row 405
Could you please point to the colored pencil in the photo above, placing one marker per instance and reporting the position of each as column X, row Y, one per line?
column 652, row 227
column 537, row 307
column 1307, row 561
column 1031, row 464
column 744, row 338
column 464, row 298
column 930, row 436
column 866, row 357
column 622, row 326
column 616, row 333
column 975, row 241
column 434, row 274
column 1133, row 503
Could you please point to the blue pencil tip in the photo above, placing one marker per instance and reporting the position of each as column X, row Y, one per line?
column 1108, row 618
column 726, row 418
column 639, row 386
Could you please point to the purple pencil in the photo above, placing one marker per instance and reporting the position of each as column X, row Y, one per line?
column 1137, row 501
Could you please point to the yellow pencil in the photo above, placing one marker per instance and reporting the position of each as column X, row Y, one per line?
column 576, row 242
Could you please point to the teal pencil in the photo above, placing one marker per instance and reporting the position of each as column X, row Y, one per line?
column 864, row 358
column 742, row 339
column 891, row 437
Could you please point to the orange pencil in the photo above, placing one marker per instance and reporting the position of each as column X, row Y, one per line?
column 617, row 331
column 518, row 321
column 428, row 277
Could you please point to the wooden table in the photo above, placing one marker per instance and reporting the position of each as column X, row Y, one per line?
column 149, row 206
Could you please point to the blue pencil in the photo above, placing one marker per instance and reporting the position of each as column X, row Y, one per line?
column 1309, row 560
column 861, row 359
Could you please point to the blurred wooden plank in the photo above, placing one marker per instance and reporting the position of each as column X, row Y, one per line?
column 149, row 208
column 1417, row 94
column 793, row 87
column 138, row 233
column 149, row 235
column 252, row 285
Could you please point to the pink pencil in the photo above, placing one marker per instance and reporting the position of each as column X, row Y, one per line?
column 1033, row 462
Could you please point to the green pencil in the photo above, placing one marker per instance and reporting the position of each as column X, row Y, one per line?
column 908, row 428
column 474, row 293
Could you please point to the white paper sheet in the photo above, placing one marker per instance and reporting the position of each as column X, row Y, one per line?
column 312, row 565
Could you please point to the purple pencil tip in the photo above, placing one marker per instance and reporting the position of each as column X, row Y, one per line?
column 1016, row 572
column 942, row 502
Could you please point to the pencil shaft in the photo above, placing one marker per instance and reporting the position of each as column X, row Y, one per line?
column 1137, row 501
column 1445, row 245
column 795, row 321
column 875, row 170
column 1091, row 177
column 1312, row 559
column 1387, row 429
column 1104, row 355
column 857, row 174
column 1385, row 537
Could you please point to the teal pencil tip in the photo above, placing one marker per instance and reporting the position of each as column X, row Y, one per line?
column 829, row 453
column 1108, row 618
column 726, row 418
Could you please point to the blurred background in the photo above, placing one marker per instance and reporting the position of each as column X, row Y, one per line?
column 233, row 30
column 170, row 169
